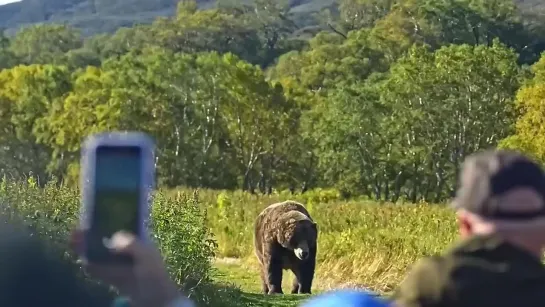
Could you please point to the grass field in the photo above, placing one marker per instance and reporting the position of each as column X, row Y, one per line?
column 235, row 272
column 362, row 244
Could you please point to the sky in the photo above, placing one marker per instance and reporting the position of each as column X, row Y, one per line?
column 7, row 1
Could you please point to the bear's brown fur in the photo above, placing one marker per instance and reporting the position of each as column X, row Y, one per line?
column 285, row 238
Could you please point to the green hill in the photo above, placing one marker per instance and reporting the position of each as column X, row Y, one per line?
column 531, row 5
column 96, row 16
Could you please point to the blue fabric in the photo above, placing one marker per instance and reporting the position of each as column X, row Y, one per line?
column 345, row 298
column 121, row 302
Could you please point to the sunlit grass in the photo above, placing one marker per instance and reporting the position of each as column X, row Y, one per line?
column 361, row 243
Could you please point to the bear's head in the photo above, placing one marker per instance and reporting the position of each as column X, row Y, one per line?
column 299, row 234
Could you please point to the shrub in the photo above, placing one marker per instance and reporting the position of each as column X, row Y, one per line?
column 48, row 213
column 178, row 224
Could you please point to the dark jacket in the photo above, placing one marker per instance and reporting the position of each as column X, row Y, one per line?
column 481, row 271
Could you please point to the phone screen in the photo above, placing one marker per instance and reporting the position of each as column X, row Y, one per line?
column 116, row 197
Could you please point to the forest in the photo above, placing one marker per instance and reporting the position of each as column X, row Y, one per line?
column 381, row 99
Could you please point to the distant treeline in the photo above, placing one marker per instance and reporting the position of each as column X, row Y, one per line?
column 385, row 101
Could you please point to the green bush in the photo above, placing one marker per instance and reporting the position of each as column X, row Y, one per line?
column 49, row 213
column 178, row 225
column 314, row 196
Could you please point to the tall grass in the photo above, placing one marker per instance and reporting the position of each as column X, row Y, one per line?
column 361, row 243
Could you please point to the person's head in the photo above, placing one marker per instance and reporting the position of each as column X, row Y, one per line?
column 502, row 192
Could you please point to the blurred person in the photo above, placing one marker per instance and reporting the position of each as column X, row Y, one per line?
column 500, row 212
column 145, row 283
column 33, row 274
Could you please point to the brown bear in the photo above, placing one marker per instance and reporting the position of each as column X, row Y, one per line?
column 285, row 238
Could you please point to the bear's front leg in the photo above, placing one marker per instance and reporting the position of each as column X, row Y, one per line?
column 274, row 275
column 296, row 284
column 306, row 273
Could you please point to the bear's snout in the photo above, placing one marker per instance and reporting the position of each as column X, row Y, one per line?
column 301, row 251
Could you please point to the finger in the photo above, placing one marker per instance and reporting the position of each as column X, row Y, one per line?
column 76, row 241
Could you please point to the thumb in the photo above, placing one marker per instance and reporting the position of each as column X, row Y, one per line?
column 128, row 244
column 123, row 242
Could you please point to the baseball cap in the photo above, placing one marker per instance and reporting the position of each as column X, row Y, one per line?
column 345, row 298
column 487, row 176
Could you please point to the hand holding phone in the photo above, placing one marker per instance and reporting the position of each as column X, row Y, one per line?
column 117, row 177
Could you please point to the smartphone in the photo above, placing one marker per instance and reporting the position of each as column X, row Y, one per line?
column 117, row 179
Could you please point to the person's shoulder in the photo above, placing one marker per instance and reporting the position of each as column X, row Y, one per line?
column 434, row 267
column 426, row 282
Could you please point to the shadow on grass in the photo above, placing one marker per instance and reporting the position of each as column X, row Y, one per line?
column 230, row 295
column 244, row 286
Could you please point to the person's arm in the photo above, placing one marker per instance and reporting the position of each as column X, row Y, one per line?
column 423, row 286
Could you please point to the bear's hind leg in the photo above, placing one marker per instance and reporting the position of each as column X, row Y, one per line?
column 264, row 286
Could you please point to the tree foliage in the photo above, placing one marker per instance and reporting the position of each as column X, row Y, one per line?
column 529, row 126
column 385, row 101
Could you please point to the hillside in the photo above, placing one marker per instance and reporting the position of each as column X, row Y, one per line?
column 96, row 16
column 531, row 5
